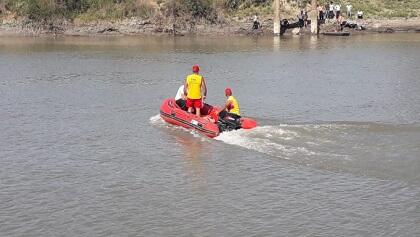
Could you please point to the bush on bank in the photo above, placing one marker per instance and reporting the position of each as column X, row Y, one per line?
column 41, row 10
column 114, row 9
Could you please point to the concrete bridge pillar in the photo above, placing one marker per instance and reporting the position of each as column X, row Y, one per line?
column 314, row 17
column 277, row 18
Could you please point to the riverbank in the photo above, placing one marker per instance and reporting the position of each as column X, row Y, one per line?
column 138, row 26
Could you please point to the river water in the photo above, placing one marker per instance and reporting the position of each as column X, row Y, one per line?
column 83, row 151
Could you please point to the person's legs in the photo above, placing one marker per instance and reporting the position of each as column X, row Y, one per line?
column 222, row 114
column 197, row 105
column 190, row 104
column 255, row 26
column 235, row 116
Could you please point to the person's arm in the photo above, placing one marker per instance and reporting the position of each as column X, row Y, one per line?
column 183, row 93
column 185, row 88
column 228, row 105
column 204, row 87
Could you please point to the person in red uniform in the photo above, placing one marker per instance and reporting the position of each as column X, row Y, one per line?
column 196, row 90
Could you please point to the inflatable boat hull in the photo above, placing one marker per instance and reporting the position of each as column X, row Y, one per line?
column 173, row 114
column 207, row 125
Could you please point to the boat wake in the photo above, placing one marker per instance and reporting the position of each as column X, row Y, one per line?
column 358, row 147
column 285, row 141
column 156, row 120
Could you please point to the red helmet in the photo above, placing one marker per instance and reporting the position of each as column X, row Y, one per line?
column 195, row 68
column 228, row 91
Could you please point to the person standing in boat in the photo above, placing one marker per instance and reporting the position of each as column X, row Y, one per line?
column 339, row 24
column 196, row 90
column 231, row 107
column 180, row 98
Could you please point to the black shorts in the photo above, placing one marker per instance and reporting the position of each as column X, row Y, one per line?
column 224, row 113
column 182, row 104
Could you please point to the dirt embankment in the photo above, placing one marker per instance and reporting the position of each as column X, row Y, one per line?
column 394, row 25
column 133, row 26
column 138, row 26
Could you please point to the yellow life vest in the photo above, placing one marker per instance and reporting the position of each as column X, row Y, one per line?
column 234, row 103
column 194, row 86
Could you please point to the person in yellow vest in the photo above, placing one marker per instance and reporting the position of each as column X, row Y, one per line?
column 231, row 108
column 196, row 90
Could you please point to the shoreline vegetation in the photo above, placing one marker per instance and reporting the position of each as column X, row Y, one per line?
column 219, row 17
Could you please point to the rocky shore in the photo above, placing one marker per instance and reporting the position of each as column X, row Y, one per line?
column 137, row 26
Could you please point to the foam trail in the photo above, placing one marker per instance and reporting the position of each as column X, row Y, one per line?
column 307, row 143
column 156, row 119
column 274, row 140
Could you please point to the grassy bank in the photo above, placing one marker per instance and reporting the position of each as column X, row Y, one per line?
column 383, row 8
column 117, row 9
column 210, row 11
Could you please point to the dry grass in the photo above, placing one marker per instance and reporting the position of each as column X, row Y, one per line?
column 211, row 10
column 383, row 8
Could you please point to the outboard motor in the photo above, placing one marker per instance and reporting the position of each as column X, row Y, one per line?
column 228, row 124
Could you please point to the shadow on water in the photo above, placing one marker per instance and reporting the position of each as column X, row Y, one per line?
column 194, row 148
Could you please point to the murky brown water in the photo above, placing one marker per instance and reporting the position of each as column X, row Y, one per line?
column 83, row 151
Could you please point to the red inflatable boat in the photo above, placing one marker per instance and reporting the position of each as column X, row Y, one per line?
column 208, row 124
